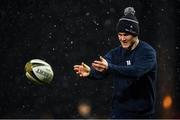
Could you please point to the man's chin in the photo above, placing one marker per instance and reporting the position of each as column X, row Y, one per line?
column 125, row 47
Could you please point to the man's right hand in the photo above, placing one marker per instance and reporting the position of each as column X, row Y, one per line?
column 82, row 70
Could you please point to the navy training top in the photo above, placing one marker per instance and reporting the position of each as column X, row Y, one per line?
column 134, row 75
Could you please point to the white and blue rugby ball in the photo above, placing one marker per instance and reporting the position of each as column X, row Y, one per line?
column 39, row 71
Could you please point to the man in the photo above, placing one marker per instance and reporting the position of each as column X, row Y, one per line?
column 133, row 68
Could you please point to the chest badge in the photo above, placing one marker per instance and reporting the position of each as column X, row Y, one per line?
column 128, row 62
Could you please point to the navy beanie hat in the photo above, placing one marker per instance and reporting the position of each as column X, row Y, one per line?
column 128, row 23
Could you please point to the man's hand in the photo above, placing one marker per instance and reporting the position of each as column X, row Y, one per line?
column 100, row 65
column 82, row 70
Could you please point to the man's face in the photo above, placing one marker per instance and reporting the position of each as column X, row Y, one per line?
column 126, row 40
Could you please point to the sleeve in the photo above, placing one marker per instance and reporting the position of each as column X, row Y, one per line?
column 94, row 74
column 143, row 63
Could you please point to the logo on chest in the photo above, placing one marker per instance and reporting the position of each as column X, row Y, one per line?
column 128, row 62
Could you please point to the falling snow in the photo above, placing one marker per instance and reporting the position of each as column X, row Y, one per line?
column 69, row 32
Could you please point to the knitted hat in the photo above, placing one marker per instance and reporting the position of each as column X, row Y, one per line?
column 128, row 23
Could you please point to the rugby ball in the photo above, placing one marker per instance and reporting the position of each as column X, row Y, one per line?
column 39, row 71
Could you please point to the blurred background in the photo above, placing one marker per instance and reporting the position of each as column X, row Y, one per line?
column 67, row 32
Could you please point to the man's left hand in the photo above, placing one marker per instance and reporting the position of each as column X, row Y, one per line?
column 100, row 65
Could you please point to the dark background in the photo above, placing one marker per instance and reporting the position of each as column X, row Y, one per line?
column 67, row 32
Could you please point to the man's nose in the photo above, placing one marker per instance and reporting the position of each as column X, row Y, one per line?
column 123, row 38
